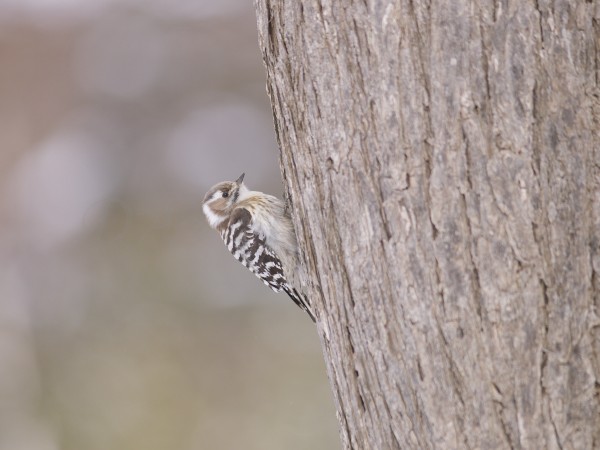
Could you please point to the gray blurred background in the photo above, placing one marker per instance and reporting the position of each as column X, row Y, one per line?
column 124, row 322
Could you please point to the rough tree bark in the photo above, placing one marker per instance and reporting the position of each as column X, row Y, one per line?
column 443, row 162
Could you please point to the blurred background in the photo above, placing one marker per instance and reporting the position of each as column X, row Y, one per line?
column 124, row 321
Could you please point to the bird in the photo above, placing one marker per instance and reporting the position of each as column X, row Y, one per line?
column 257, row 229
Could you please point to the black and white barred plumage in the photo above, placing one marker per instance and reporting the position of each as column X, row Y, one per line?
column 258, row 231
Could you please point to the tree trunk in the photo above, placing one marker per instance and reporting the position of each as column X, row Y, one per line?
column 443, row 163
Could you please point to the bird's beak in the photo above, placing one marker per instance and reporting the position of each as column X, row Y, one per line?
column 240, row 179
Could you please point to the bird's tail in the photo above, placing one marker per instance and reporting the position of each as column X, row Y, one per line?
column 300, row 300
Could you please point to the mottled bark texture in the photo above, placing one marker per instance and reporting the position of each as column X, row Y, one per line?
column 443, row 162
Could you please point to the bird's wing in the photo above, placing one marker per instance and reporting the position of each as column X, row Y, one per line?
column 250, row 248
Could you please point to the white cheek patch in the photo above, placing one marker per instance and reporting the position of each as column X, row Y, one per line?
column 213, row 219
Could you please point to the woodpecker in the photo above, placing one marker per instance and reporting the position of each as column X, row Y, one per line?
column 257, row 229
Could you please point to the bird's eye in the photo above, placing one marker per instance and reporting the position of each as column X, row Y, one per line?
column 225, row 194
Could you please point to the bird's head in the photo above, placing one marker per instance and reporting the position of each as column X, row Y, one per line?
column 220, row 200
